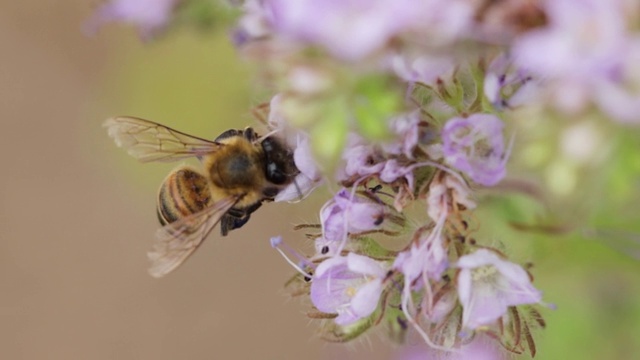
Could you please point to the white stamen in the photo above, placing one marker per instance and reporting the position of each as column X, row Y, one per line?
column 406, row 298
column 275, row 243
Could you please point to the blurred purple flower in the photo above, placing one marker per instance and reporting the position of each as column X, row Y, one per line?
column 425, row 69
column 488, row 285
column 481, row 347
column 474, row 145
column 150, row 16
column 506, row 85
column 348, row 29
column 406, row 129
column 591, row 53
column 621, row 99
column 252, row 25
column 349, row 286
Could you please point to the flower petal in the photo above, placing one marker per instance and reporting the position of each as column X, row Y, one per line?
column 365, row 265
column 366, row 300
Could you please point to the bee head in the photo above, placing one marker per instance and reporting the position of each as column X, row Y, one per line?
column 280, row 168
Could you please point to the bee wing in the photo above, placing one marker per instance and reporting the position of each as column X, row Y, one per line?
column 176, row 241
column 149, row 141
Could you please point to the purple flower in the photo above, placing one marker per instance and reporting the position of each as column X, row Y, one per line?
column 149, row 16
column 427, row 258
column 393, row 170
column 474, row 145
column 349, row 214
column 360, row 159
column 348, row 29
column 488, row 285
column 349, row 286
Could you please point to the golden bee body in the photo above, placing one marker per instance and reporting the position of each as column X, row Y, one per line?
column 239, row 171
column 183, row 192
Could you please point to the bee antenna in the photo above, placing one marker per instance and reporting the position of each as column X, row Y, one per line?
column 261, row 111
column 270, row 133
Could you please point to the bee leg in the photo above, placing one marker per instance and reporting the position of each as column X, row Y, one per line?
column 236, row 218
column 226, row 223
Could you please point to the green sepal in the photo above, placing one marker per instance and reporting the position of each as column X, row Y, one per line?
column 371, row 248
column 396, row 323
column 335, row 333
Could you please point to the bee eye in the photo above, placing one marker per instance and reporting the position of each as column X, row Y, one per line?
column 275, row 175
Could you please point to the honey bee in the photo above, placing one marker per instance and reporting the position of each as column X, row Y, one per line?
column 240, row 171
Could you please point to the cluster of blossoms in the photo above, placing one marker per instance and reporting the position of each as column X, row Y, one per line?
column 404, row 104
column 441, row 282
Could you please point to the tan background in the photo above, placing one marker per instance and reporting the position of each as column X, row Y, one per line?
column 77, row 215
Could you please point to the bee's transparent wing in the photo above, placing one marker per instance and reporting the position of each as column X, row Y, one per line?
column 149, row 141
column 176, row 241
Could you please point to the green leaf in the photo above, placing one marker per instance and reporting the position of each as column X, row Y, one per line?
column 374, row 103
column 329, row 134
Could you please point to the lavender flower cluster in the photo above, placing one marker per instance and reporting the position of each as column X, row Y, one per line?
column 442, row 282
column 404, row 104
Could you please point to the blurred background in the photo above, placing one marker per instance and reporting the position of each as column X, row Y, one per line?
column 77, row 215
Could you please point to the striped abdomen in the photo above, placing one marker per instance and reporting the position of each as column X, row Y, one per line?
column 184, row 192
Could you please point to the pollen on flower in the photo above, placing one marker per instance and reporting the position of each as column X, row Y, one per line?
column 485, row 273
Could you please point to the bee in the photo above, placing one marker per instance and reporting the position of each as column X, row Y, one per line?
column 240, row 171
